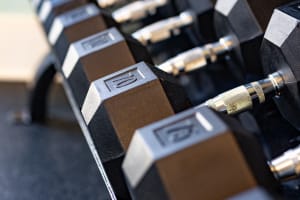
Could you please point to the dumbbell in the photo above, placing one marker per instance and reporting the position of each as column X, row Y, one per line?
column 240, row 26
column 49, row 9
column 77, row 24
column 280, row 60
column 117, row 104
column 201, row 154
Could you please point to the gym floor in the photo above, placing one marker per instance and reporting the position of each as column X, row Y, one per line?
column 50, row 161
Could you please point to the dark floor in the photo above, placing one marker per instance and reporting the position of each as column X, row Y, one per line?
column 44, row 162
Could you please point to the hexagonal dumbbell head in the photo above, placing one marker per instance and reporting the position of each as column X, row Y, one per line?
column 280, row 52
column 189, row 155
column 52, row 8
column 247, row 21
column 97, row 56
column 75, row 25
column 280, row 60
column 117, row 104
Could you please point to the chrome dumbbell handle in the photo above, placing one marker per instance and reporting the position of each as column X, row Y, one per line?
column 198, row 57
column 163, row 29
column 244, row 97
column 137, row 10
column 287, row 166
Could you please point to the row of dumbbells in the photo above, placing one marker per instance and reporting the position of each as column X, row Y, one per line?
column 115, row 79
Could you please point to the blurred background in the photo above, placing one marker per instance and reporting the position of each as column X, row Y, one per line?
column 22, row 44
column 49, row 161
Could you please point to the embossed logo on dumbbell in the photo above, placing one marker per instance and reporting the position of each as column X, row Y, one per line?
column 77, row 14
column 123, row 80
column 179, row 132
column 97, row 41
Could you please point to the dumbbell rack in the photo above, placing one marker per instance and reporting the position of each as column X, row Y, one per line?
column 88, row 139
column 38, row 112
column 38, row 100
column 38, row 108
